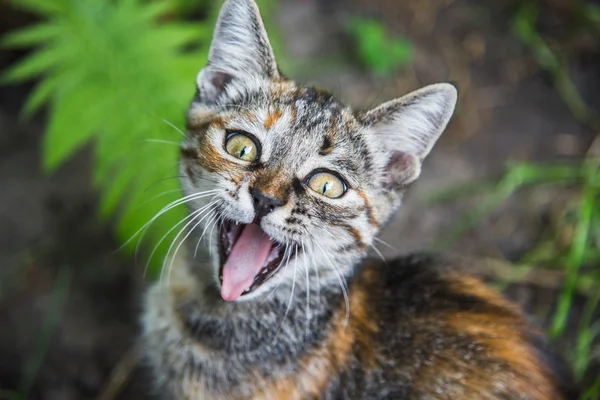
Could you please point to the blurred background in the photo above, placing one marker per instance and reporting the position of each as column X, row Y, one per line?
column 93, row 93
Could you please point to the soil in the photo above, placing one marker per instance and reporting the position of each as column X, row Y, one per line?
column 69, row 305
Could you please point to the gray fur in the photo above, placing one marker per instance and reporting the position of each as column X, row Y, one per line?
column 203, row 347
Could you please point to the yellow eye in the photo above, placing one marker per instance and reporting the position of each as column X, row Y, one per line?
column 327, row 184
column 242, row 147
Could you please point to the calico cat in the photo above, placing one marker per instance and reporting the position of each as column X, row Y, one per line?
column 291, row 187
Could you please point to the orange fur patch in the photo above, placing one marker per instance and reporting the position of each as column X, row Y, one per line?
column 355, row 235
column 332, row 356
column 370, row 216
column 272, row 118
column 499, row 337
column 273, row 183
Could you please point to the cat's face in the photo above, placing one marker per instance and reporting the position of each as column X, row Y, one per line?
column 291, row 185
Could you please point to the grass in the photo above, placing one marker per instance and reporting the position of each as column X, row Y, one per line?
column 49, row 327
column 583, row 248
column 580, row 225
column 376, row 50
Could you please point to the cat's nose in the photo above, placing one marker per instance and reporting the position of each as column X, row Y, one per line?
column 264, row 204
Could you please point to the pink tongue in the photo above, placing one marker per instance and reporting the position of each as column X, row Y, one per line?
column 247, row 257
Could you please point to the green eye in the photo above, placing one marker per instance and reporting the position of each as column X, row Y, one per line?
column 242, row 147
column 327, row 184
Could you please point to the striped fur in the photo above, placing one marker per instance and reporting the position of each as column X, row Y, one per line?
column 327, row 325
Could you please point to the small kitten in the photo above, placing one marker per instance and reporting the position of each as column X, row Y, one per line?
column 290, row 188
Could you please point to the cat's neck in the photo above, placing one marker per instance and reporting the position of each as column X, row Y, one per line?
column 287, row 316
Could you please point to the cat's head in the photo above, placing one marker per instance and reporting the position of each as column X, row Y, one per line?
column 289, row 182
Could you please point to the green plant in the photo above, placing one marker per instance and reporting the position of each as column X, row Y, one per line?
column 110, row 74
column 524, row 28
column 118, row 75
column 375, row 50
column 583, row 246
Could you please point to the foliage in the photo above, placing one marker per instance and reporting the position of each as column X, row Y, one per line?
column 524, row 27
column 118, row 74
column 583, row 247
column 375, row 50
column 110, row 74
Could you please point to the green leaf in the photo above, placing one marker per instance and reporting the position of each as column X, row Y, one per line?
column 111, row 73
column 34, row 65
column 375, row 49
column 69, row 128
column 35, row 35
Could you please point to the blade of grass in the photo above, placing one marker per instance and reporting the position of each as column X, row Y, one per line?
column 575, row 256
column 49, row 325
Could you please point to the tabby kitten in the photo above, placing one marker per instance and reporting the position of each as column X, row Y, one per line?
column 291, row 187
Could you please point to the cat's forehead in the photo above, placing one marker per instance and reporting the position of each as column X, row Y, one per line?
column 283, row 108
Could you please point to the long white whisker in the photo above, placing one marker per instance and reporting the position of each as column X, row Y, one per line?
column 339, row 275
column 163, row 141
column 385, row 243
column 204, row 210
column 379, row 253
column 211, row 235
column 144, row 229
column 174, row 127
column 308, row 316
column 167, row 208
column 316, row 269
column 281, row 274
column 208, row 223
column 183, row 240
column 192, row 215
column 292, row 293
column 166, row 192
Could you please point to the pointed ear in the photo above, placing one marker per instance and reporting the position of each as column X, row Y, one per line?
column 240, row 49
column 407, row 128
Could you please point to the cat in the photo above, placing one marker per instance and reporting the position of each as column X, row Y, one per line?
column 290, row 188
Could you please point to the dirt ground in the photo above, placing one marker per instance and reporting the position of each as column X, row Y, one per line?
column 69, row 307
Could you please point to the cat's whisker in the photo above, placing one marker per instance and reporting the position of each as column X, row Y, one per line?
column 162, row 180
column 192, row 215
column 165, row 209
column 285, row 250
column 341, row 282
column 174, row 127
column 166, row 192
column 197, row 214
column 315, row 268
column 307, row 294
column 385, row 243
column 163, row 142
column 208, row 213
column 292, row 293
column 378, row 253
column 206, row 226
column 219, row 218
column 179, row 176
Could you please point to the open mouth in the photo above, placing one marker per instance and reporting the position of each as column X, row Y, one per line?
column 248, row 258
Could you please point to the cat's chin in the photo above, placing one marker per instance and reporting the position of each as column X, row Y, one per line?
column 248, row 258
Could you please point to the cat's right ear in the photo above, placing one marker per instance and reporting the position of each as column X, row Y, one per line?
column 240, row 50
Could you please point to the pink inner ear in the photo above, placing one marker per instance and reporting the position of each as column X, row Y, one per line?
column 402, row 168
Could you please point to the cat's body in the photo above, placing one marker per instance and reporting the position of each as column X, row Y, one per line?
column 291, row 187
column 417, row 329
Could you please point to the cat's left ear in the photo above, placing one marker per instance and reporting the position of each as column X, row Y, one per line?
column 240, row 50
column 408, row 127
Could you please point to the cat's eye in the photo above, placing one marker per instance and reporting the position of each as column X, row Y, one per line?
column 327, row 184
column 241, row 146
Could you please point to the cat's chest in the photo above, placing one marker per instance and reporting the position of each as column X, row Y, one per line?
column 208, row 375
